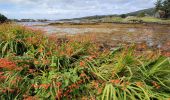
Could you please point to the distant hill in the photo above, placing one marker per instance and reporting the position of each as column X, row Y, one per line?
column 149, row 11
column 91, row 17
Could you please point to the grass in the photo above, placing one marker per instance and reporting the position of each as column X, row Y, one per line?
column 117, row 19
column 40, row 67
column 152, row 19
column 148, row 19
column 144, row 19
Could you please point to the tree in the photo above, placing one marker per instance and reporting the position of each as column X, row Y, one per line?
column 142, row 14
column 158, row 5
column 166, row 8
column 123, row 15
column 2, row 18
column 163, row 5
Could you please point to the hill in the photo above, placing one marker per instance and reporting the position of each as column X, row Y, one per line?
column 91, row 17
column 149, row 11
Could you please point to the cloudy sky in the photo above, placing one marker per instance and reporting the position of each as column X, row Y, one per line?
column 59, row 9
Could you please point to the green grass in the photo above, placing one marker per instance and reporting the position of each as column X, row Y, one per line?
column 36, row 66
column 153, row 19
column 144, row 19
column 148, row 19
column 117, row 19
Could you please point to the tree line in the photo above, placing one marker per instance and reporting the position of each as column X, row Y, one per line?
column 163, row 7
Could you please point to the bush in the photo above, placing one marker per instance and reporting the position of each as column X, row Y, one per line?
column 142, row 14
column 123, row 16
column 2, row 18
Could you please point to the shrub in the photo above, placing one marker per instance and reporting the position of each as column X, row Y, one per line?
column 142, row 14
column 2, row 18
column 123, row 16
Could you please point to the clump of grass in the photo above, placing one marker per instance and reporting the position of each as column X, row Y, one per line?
column 36, row 66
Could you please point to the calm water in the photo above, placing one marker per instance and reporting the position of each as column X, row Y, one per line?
column 54, row 29
column 32, row 24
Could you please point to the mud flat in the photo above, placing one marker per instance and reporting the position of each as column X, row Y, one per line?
column 154, row 36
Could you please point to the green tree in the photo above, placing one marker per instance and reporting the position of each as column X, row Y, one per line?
column 158, row 5
column 2, row 18
column 142, row 14
column 166, row 8
column 163, row 5
column 123, row 15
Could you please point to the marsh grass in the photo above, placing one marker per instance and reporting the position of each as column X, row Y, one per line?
column 36, row 66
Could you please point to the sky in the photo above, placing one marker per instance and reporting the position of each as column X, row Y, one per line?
column 62, row 9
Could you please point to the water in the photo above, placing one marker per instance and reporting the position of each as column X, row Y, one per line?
column 31, row 24
column 152, row 35
column 66, row 30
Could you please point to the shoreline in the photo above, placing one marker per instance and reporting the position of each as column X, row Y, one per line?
column 98, row 23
